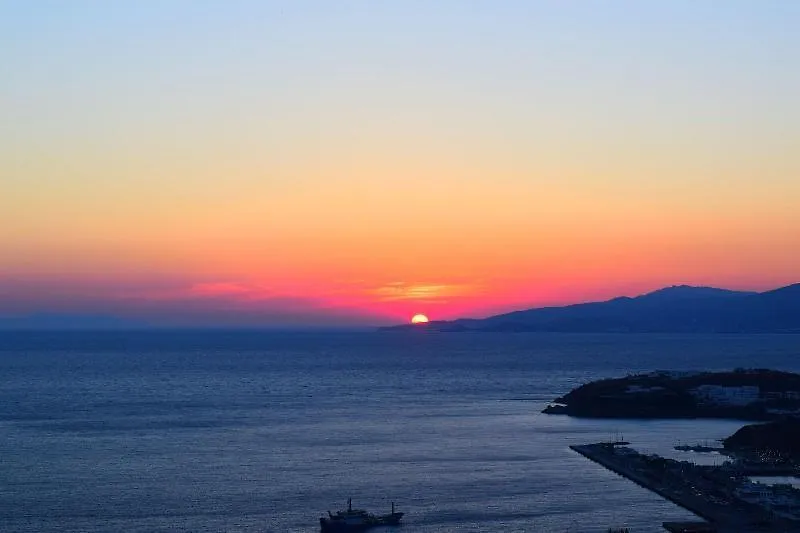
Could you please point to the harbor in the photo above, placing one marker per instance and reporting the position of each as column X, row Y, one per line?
column 724, row 498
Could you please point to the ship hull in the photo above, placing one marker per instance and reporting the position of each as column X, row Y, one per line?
column 328, row 525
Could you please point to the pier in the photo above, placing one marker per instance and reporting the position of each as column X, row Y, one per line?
column 704, row 491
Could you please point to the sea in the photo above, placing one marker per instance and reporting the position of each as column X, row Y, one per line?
column 253, row 431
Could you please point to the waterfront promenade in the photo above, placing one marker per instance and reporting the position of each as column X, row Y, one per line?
column 701, row 490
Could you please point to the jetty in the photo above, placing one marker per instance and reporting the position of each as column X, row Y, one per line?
column 708, row 492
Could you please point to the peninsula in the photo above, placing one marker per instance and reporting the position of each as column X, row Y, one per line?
column 755, row 394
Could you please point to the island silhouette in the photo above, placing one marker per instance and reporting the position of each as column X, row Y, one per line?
column 676, row 309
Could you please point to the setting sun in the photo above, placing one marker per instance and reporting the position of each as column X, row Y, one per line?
column 419, row 319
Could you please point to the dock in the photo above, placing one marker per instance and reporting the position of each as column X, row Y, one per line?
column 696, row 489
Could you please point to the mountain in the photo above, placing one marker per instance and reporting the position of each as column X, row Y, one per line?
column 678, row 309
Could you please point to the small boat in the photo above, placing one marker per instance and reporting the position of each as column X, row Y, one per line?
column 701, row 448
column 356, row 520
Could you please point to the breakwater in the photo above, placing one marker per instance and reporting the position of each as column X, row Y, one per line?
column 707, row 492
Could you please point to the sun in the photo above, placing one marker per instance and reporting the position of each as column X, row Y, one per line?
column 419, row 319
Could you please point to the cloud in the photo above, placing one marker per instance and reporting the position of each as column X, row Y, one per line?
column 424, row 292
column 178, row 303
column 234, row 302
column 234, row 290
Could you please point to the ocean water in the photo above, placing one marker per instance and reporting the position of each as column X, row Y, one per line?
column 264, row 432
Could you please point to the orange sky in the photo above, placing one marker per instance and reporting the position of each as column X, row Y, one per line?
column 252, row 166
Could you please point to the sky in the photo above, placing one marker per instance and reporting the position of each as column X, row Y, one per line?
column 256, row 163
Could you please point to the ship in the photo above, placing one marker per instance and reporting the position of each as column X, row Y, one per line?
column 353, row 520
column 701, row 448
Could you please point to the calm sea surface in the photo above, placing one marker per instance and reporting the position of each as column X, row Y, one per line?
column 244, row 431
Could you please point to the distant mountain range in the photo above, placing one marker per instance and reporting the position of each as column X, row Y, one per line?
column 678, row 309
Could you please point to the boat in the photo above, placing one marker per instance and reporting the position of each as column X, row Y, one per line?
column 701, row 448
column 356, row 520
column 704, row 447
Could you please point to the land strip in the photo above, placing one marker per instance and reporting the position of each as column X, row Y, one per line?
column 707, row 492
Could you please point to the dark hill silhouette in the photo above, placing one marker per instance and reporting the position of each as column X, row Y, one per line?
column 679, row 309
column 778, row 439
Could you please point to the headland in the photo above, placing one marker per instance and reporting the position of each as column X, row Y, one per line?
column 755, row 394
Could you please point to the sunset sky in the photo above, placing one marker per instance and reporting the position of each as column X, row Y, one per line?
column 249, row 163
